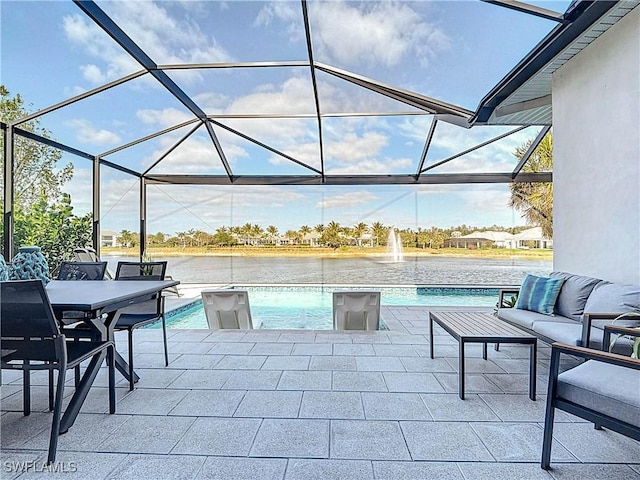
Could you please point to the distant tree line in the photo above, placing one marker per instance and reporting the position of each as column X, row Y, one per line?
column 332, row 235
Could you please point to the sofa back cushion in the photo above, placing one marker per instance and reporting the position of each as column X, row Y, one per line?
column 609, row 297
column 573, row 294
column 539, row 294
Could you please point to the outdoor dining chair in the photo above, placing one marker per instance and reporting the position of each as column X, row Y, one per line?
column 88, row 254
column 144, row 313
column 356, row 310
column 227, row 309
column 31, row 340
column 82, row 270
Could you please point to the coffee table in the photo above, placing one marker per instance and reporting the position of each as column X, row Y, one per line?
column 477, row 327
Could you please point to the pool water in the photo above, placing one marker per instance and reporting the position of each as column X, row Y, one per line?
column 309, row 307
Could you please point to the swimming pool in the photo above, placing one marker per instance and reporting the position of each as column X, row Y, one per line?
column 309, row 307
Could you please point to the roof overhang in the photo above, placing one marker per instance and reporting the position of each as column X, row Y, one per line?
column 523, row 96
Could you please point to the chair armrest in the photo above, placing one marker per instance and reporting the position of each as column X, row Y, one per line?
column 592, row 354
column 609, row 329
column 587, row 319
column 505, row 291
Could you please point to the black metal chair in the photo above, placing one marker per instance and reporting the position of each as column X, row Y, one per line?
column 31, row 340
column 144, row 313
column 603, row 390
column 82, row 271
column 88, row 254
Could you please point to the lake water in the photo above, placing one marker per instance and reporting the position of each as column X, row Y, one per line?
column 356, row 271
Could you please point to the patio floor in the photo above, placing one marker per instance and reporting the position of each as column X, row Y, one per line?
column 268, row 404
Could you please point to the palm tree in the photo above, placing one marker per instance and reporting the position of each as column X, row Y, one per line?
column 535, row 200
column 272, row 231
column 359, row 230
column 379, row 232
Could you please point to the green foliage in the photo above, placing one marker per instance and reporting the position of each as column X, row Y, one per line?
column 54, row 228
column 635, row 347
column 535, row 200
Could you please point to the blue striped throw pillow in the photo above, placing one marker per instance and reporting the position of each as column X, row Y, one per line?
column 539, row 294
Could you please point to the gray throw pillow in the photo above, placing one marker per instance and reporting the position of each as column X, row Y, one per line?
column 573, row 294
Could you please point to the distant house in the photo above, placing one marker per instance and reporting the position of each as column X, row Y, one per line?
column 108, row 238
column 530, row 238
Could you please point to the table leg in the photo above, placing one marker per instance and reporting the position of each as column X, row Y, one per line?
column 81, row 392
column 430, row 336
column 484, row 351
column 461, row 369
column 533, row 360
column 123, row 367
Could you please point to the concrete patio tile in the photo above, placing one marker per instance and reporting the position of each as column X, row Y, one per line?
column 305, row 380
column 218, row 436
column 77, row 465
column 224, row 336
column 271, row 349
column 291, row 438
column 232, row 468
column 511, row 365
column 209, row 403
column 241, row 362
column 253, row 380
column 394, row 406
column 395, row 350
column 39, row 399
column 232, row 348
column 7, row 390
column 416, row 470
column 412, row 382
column 635, row 467
column 86, row 434
column 13, row 462
column 261, row 336
column 407, row 339
column 517, row 408
column 577, row 471
column 150, row 377
column 331, row 405
column 184, row 347
column 332, row 363
column 18, row 429
column 333, row 338
column 193, row 362
column 367, row 440
column 517, row 442
column 149, row 467
column 304, row 469
column 353, row 349
column 370, row 337
column 379, row 364
column 449, row 407
column 202, row 379
column 297, row 337
column 474, row 383
column 312, row 349
column 292, row 362
column 580, row 438
column 150, row 401
column 146, row 434
column 503, row 471
column 476, row 365
column 270, row 404
column 181, row 335
column 97, row 400
column 150, row 360
column 359, row 381
column 420, row 364
column 517, row 382
column 444, row 441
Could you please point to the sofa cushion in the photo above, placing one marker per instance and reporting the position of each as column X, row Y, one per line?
column 609, row 389
column 573, row 294
column 526, row 318
column 539, row 294
column 609, row 297
column 569, row 333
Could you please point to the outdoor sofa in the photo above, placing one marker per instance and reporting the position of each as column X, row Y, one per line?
column 582, row 307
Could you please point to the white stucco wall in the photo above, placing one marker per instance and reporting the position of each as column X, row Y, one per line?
column 596, row 137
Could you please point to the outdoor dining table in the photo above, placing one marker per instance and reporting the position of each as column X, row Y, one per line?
column 101, row 302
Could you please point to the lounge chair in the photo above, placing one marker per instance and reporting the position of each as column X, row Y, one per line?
column 603, row 390
column 356, row 310
column 227, row 309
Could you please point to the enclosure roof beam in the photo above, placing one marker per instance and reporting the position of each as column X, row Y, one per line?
column 530, row 9
column 408, row 179
column 530, row 150
column 427, row 144
column 173, row 147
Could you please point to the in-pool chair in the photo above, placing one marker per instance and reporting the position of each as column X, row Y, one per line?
column 356, row 310
column 227, row 309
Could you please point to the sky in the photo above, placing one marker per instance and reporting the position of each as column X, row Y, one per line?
column 453, row 51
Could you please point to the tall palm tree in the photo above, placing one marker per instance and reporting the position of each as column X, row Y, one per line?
column 359, row 230
column 535, row 200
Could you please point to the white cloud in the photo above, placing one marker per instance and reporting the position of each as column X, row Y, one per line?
column 349, row 199
column 87, row 133
column 352, row 149
column 163, row 118
column 373, row 33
